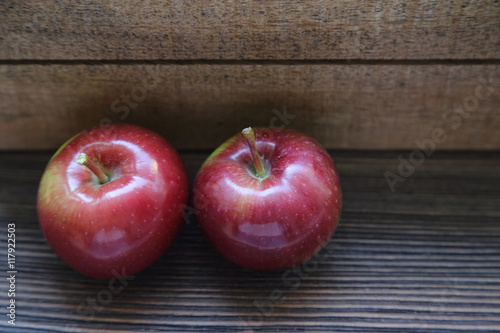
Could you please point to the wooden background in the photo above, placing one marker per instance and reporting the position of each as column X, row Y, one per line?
column 355, row 74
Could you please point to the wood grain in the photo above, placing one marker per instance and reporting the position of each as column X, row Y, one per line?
column 423, row 259
column 200, row 106
column 278, row 29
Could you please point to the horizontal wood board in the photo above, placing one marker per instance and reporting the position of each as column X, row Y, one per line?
column 316, row 29
column 198, row 106
column 425, row 258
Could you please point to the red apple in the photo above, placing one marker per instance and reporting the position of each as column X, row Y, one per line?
column 268, row 199
column 110, row 200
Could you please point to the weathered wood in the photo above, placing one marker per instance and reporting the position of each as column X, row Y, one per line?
column 424, row 259
column 199, row 106
column 284, row 29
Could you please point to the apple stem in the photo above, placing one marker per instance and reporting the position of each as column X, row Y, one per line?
column 249, row 136
column 84, row 160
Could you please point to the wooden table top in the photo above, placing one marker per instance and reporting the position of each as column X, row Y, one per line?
column 424, row 258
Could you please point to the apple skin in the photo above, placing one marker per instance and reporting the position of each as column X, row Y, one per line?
column 272, row 223
column 120, row 227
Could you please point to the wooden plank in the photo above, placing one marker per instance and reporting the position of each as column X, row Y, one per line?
column 398, row 262
column 199, row 106
column 243, row 29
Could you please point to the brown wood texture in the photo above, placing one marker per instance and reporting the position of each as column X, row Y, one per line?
column 423, row 259
column 199, row 106
column 316, row 29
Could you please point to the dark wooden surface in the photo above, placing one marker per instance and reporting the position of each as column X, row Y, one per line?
column 425, row 258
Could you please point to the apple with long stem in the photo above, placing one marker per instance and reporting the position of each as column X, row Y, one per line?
column 268, row 198
column 110, row 200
